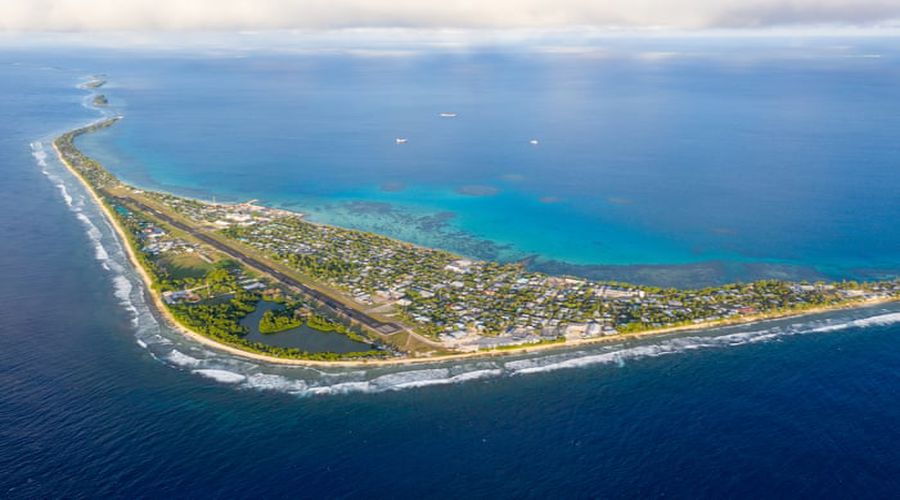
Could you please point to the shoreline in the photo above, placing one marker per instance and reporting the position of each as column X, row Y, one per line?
column 156, row 300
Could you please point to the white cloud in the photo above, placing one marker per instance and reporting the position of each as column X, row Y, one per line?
column 189, row 15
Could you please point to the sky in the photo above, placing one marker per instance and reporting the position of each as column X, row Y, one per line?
column 23, row 16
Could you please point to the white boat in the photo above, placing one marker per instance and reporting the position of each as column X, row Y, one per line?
column 448, row 115
column 533, row 142
column 400, row 140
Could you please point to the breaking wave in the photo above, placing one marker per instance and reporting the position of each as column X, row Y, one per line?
column 224, row 376
column 880, row 320
column 179, row 358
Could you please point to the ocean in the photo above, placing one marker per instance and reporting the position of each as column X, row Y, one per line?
column 99, row 398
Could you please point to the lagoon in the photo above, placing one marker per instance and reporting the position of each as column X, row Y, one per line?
column 303, row 337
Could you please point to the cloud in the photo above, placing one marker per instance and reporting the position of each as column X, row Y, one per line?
column 224, row 15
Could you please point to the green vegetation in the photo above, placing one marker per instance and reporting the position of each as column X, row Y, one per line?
column 320, row 323
column 215, row 320
column 94, row 173
column 184, row 267
column 323, row 324
column 277, row 321
column 218, row 320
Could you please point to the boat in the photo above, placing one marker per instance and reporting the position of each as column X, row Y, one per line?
column 533, row 142
column 400, row 140
column 448, row 115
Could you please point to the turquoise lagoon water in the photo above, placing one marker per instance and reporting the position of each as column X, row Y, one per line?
column 679, row 170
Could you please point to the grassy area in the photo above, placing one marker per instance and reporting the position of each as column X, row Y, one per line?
column 185, row 266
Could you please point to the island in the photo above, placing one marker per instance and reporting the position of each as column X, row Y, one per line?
column 209, row 265
column 278, row 321
column 94, row 83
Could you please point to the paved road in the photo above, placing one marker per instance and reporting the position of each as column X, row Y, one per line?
column 334, row 305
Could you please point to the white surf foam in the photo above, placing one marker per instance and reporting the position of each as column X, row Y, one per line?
column 65, row 194
column 475, row 375
column 96, row 237
column 401, row 381
column 880, row 320
column 181, row 359
column 272, row 382
column 410, row 378
column 156, row 339
column 40, row 155
column 341, row 388
column 123, row 288
column 223, row 376
column 100, row 252
column 615, row 357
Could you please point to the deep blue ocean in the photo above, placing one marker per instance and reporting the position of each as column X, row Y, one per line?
column 697, row 169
